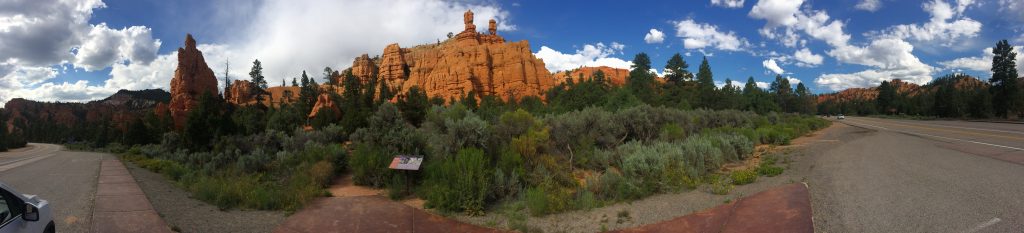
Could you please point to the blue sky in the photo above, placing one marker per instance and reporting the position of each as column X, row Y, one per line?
column 79, row 50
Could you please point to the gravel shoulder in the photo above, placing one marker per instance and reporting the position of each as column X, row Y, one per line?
column 799, row 160
column 190, row 215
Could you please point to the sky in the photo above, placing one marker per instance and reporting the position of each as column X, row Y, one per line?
column 82, row 50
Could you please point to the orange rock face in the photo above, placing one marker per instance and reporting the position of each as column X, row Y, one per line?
column 241, row 94
column 324, row 102
column 364, row 68
column 393, row 66
column 614, row 76
column 191, row 79
column 482, row 63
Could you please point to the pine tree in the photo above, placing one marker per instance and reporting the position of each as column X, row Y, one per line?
column 886, row 98
column 676, row 72
column 259, row 83
column 1005, row 90
column 641, row 80
column 783, row 92
column 706, row 85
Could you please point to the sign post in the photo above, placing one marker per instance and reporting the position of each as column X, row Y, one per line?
column 406, row 163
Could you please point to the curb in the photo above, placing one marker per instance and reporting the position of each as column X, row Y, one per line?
column 120, row 204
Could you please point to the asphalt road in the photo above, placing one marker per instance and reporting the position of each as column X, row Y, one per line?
column 886, row 175
column 66, row 179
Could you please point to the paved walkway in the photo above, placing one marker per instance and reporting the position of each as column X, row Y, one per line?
column 783, row 209
column 120, row 204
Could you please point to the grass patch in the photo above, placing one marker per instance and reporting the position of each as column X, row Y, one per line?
column 743, row 177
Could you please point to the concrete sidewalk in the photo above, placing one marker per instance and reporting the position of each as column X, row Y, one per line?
column 782, row 209
column 120, row 204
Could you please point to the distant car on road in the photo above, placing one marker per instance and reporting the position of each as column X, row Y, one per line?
column 24, row 213
column 840, row 116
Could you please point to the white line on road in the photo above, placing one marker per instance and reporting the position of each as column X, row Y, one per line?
column 959, row 127
column 984, row 225
column 948, row 138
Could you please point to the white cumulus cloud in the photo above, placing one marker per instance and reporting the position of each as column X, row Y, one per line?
column 982, row 63
column 728, row 3
column 946, row 27
column 654, row 36
column 806, row 58
column 892, row 58
column 591, row 55
column 771, row 65
column 869, row 5
column 701, row 35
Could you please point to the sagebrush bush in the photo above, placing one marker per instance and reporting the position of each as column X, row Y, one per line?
column 742, row 177
column 459, row 183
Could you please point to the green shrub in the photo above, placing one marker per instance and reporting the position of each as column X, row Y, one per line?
column 370, row 166
column 769, row 170
column 743, row 177
column 720, row 185
column 536, row 201
column 460, row 183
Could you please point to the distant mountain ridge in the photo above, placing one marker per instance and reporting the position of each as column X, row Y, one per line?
column 54, row 121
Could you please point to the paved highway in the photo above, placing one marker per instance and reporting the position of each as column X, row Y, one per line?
column 919, row 176
column 67, row 179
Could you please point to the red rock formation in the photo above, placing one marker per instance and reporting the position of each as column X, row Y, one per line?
column 324, row 102
column 482, row 63
column 364, row 68
column 241, row 94
column 393, row 66
column 614, row 76
column 191, row 79
column 869, row 94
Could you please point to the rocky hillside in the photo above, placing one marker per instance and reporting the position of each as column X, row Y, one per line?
column 482, row 63
column 54, row 120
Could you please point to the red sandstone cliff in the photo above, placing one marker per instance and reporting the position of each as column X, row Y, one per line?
column 191, row 79
column 614, row 76
column 470, row 62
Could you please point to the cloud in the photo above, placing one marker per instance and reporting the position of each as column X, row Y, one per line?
column 982, row 63
column 1011, row 8
column 654, row 37
column 892, row 59
column 104, row 46
column 290, row 36
column 41, row 33
column 728, row 3
column 591, row 55
column 39, row 36
column 786, row 14
column 699, row 36
column 805, row 58
column 287, row 36
column 771, row 65
column 869, row 5
column 792, row 80
column 939, row 29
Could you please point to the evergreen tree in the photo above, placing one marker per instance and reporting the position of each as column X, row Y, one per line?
column 1005, row 89
column 137, row 134
column 329, row 76
column 676, row 72
column 886, row 98
column 750, row 87
column 804, row 99
column 706, row 84
column 414, row 106
column 227, row 80
column 782, row 92
column 259, row 82
column 641, row 80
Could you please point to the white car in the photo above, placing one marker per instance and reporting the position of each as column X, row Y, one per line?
column 24, row 213
column 840, row 116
